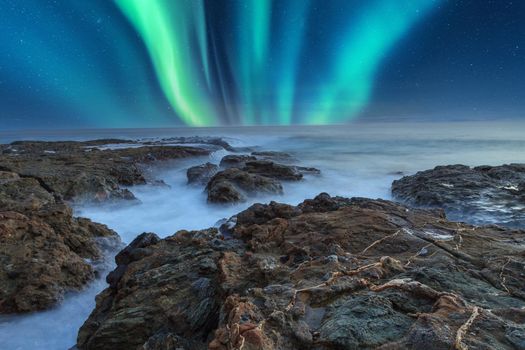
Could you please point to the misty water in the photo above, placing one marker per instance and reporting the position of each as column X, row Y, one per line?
column 360, row 159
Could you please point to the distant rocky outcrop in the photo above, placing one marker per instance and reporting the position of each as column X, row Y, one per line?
column 330, row 273
column 236, row 185
column 45, row 251
column 89, row 171
column 479, row 195
column 201, row 174
column 243, row 176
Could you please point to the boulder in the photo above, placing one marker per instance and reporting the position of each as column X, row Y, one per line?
column 330, row 273
column 201, row 174
column 235, row 185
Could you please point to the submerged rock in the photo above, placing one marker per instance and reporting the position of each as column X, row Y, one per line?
column 481, row 194
column 45, row 250
column 330, row 273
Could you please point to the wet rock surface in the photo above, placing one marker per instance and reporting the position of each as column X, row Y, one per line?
column 479, row 195
column 235, row 185
column 274, row 156
column 201, row 174
column 235, row 160
column 245, row 176
column 330, row 273
column 45, row 251
column 91, row 171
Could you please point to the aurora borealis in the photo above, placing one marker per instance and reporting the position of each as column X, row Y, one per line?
column 135, row 63
column 176, row 36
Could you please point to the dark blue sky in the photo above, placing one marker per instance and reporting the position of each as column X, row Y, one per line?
column 467, row 61
column 74, row 64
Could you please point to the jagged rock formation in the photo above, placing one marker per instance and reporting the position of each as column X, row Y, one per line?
column 330, row 273
column 479, row 195
column 45, row 251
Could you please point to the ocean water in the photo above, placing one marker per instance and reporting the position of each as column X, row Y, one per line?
column 360, row 159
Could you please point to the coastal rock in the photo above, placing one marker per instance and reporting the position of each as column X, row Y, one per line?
column 274, row 156
column 91, row 171
column 201, row 174
column 235, row 160
column 235, row 185
column 246, row 176
column 330, row 273
column 273, row 170
column 45, row 250
column 494, row 193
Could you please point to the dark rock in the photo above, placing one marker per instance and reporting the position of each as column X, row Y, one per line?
column 162, row 299
column 331, row 273
column 308, row 170
column 274, row 156
column 201, row 174
column 235, row 160
column 234, row 185
column 469, row 194
column 273, row 170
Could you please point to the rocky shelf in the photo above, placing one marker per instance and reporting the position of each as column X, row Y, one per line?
column 478, row 195
column 330, row 273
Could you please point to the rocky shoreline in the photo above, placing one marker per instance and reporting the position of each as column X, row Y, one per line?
column 46, row 251
column 472, row 194
column 329, row 273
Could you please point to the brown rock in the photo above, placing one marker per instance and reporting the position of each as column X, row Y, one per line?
column 331, row 273
column 45, row 251
column 234, row 185
column 86, row 171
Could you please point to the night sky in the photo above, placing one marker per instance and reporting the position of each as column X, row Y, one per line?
column 161, row 63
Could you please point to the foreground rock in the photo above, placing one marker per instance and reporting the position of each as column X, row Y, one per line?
column 92, row 171
column 45, row 251
column 331, row 273
column 479, row 195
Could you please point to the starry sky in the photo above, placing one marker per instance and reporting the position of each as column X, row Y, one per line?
column 165, row 63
